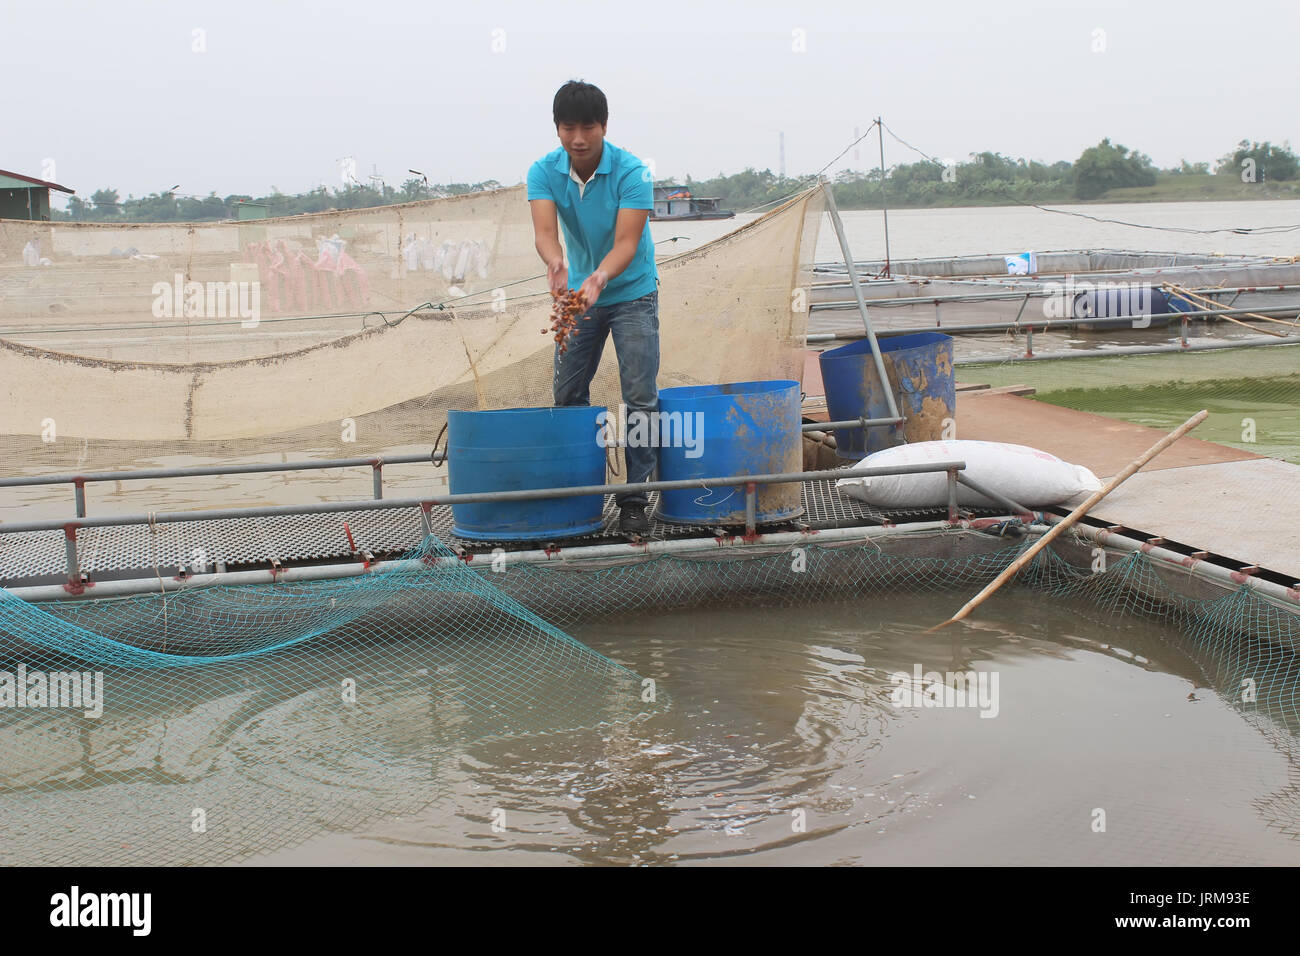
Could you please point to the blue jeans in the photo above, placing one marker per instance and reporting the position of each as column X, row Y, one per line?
column 635, row 327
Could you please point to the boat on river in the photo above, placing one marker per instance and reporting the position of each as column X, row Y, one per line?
column 676, row 204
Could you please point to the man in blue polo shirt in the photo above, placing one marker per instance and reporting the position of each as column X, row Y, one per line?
column 603, row 197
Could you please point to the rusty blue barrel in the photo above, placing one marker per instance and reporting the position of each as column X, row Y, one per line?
column 741, row 428
column 518, row 449
column 919, row 367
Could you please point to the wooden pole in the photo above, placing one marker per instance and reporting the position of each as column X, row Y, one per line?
column 1074, row 516
column 1209, row 305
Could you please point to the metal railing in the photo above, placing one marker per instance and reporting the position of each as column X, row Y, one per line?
column 79, row 481
column 850, row 423
column 1052, row 289
column 827, row 537
column 75, row 583
column 1046, row 324
column 374, row 462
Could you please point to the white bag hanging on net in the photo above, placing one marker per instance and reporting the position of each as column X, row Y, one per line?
column 1026, row 475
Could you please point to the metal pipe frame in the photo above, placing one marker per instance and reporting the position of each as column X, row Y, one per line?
column 1046, row 324
column 373, row 461
column 1018, row 509
column 1016, row 320
column 1284, row 597
column 814, row 338
column 1016, row 293
column 884, row 204
column 850, row 423
column 554, row 557
column 1253, row 341
column 539, row 494
column 834, row 212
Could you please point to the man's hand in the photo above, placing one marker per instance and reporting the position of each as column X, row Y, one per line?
column 593, row 287
column 557, row 274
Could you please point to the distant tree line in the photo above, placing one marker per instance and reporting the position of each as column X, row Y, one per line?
column 989, row 178
column 985, row 178
column 106, row 205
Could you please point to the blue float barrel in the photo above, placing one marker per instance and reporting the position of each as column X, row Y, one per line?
column 517, row 449
column 743, row 428
column 1144, row 305
column 919, row 367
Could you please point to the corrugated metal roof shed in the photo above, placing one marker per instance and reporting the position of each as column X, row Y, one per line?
column 22, row 197
column 10, row 180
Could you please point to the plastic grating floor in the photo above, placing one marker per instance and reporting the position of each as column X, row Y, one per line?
column 243, row 543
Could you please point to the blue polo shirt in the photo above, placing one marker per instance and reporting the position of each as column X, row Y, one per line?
column 621, row 181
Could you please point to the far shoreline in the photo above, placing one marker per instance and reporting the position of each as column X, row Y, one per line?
column 1072, row 202
column 1111, row 198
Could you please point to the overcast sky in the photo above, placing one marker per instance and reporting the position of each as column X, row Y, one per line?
column 239, row 96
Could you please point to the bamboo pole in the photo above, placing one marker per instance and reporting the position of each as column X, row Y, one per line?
column 1203, row 301
column 1074, row 516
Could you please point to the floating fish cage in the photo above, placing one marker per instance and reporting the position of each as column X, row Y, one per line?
column 1117, row 296
column 249, row 654
column 86, row 559
column 357, row 615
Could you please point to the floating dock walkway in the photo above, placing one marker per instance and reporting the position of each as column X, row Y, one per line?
column 1199, row 497
column 1200, row 509
column 87, row 557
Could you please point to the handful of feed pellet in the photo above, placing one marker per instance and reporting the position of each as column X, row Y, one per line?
column 564, row 316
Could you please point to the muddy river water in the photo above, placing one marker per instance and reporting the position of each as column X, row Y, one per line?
column 787, row 743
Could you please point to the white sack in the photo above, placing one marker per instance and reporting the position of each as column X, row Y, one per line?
column 1026, row 475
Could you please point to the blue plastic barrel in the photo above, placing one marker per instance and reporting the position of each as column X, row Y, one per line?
column 516, row 449
column 743, row 428
column 919, row 367
column 1145, row 306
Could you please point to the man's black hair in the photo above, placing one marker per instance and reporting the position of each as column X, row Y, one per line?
column 579, row 102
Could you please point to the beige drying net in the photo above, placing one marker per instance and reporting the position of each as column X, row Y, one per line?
column 330, row 336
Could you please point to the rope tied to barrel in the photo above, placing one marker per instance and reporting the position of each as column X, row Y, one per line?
column 433, row 455
column 609, row 440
